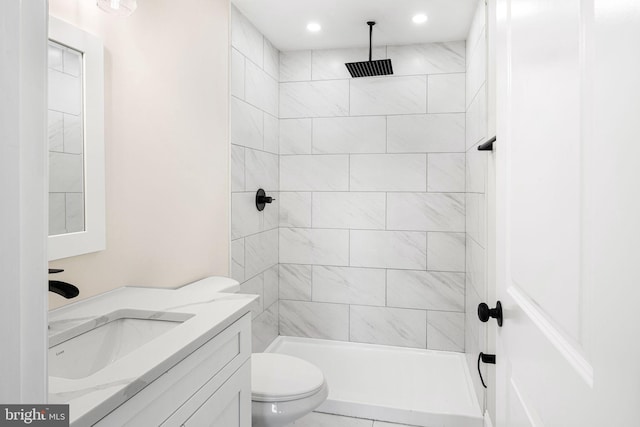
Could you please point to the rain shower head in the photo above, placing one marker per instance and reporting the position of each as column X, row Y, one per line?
column 370, row 68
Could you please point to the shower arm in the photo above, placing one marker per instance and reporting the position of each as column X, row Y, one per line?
column 371, row 24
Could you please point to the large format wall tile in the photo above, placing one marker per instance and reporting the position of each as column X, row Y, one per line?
column 271, row 212
column 255, row 146
column 369, row 177
column 264, row 329
column 388, row 95
column 271, row 285
column 237, row 168
column 476, row 71
column 425, row 211
column 295, row 136
column 349, row 210
column 246, row 125
column 329, row 64
column 349, row 135
column 389, row 326
column 476, row 128
column 476, row 270
column 388, row 249
column 445, row 331
column 348, row 285
column 254, row 286
column 431, row 58
column 427, row 290
column 314, row 246
column 476, row 173
column 271, row 134
column 261, row 252
column 446, row 93
column 475, row 333
column 261, row 90
column 237, row 74
column 445, row 172
column 314, row 99
column 246, row 219
column 476, row 217
column 237, row 260
column 245, row 37
column 295, row 282
column 430, row 133
column 314, row 173
column 261, row 171
column 295, row 66
column 314, row 320
column 446, row 251
column 271, row 63
column 388, row 172
column 295, row 209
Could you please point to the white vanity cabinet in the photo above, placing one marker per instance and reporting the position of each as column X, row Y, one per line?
column 210, row 387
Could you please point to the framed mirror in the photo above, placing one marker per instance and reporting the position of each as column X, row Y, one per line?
column 76, row 141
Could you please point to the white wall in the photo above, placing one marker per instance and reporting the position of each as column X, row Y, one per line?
column 254, row 155
column 476, row 187
column 167, row 150
column 372, row 244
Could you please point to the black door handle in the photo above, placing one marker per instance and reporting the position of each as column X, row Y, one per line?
column 485, row 313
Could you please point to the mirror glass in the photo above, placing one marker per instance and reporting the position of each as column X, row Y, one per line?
column 66, row 140
column 76, row 141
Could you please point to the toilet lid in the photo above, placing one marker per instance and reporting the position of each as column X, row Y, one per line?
column 278, row 377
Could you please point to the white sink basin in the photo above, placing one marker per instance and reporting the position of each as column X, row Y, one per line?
column 92, row 346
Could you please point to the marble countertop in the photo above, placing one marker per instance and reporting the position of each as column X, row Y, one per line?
column 208, row 306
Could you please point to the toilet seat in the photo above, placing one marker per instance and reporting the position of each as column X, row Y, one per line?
column 279, row 377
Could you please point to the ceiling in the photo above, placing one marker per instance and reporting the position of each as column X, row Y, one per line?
column 343, row 22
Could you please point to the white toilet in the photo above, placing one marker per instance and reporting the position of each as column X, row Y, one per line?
column 283, row 389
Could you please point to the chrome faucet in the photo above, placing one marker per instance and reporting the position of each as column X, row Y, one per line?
column 64, row 289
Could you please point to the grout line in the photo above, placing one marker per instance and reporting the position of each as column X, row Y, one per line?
column 427, row 171
column 374, row 268
column 404, row 153
column 349, row 248
column 387, row 77
column 422, row 193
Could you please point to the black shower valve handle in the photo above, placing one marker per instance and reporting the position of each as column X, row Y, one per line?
column 262, row 199
column 266, row 199
column 485, row 313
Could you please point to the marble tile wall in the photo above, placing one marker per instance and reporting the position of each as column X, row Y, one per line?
column 255, row 138
column 66, row 145
column 475, row 201
column 372, row 197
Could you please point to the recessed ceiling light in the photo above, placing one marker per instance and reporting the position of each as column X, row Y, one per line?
column 314, row 27
column 420, row 18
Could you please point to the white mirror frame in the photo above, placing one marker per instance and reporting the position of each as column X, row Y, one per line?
column 93, row 238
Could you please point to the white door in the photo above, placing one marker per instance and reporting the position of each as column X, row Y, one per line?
column 23, row 201
column 568, row 212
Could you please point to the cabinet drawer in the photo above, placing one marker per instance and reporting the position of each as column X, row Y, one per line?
column 228, row 406
column 217, row 359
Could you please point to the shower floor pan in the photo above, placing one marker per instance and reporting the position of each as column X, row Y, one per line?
column 400, row 385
